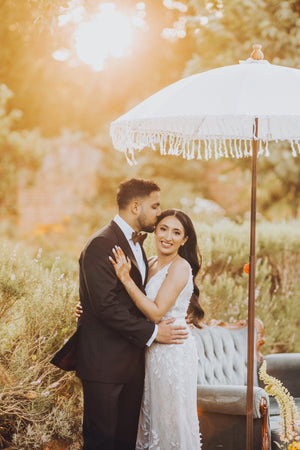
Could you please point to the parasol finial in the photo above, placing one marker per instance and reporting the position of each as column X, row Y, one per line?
column 257, row 54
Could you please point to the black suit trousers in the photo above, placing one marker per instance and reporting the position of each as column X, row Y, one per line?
column 111, row 414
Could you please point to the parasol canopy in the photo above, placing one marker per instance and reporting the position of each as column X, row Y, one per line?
column 212, row 114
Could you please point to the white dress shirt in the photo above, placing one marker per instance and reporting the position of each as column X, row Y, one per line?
column 136, row 248
column 138, row 254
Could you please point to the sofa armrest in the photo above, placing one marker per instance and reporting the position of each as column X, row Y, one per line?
column 285, row 367
column 230, row 399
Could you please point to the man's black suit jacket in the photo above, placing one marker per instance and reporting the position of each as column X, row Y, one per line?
column 112, row 332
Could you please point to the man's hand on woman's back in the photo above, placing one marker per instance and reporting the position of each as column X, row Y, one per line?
column 171, row 334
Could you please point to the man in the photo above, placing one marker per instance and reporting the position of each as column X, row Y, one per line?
column 113, row 333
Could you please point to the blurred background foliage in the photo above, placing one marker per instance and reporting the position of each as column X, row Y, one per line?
column 47, row 91
column 171, row 39
column 19, row 150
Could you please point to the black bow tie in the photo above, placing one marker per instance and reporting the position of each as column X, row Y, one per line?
column 138, row 237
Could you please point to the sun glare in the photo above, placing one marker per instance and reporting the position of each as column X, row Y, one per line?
column 108, row 33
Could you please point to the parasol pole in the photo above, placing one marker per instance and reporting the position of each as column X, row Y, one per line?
column 257, row 55
column 251, row 302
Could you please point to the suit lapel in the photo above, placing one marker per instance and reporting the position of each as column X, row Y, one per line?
column 147, row 266
column 124, row 244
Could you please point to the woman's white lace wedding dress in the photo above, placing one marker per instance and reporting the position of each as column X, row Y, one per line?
column 168, row 418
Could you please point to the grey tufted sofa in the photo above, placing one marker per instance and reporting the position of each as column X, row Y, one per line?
column 221, row 391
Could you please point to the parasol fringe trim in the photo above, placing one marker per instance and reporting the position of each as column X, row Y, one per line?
column 293, row 146
column 192, row 146
column 207, row 149
column 130, row 158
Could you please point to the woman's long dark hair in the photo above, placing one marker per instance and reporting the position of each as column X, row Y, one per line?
column 191, row 253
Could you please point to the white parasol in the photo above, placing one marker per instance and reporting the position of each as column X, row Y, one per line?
column 233, row 111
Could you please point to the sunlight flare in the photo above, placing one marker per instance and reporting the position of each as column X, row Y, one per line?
column 108, row 34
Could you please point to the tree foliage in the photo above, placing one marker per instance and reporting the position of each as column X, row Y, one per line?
column 54, row 94
column 224, row 34
column 230, row 28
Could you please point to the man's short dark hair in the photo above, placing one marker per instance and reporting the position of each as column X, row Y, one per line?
column 134, row 188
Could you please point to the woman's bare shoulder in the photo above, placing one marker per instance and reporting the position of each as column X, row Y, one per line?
column 180, row 263
column 180, row 269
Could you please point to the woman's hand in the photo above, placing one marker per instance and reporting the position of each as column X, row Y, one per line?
column 121, row 263
column 78, row 310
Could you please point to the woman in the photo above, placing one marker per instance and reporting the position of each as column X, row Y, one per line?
column 168, row 417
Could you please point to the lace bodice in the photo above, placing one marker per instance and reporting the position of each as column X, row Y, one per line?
column 180, row 307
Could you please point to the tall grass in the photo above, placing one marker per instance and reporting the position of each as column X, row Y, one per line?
column 38, row 403
column 224, row 284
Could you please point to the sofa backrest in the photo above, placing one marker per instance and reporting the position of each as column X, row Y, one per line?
column 222, row 355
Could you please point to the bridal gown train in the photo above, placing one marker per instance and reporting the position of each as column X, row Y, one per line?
column 168, row 418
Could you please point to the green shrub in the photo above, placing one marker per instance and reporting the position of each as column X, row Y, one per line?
column 38, row 402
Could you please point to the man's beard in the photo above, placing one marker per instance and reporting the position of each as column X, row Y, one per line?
column 145, row 226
